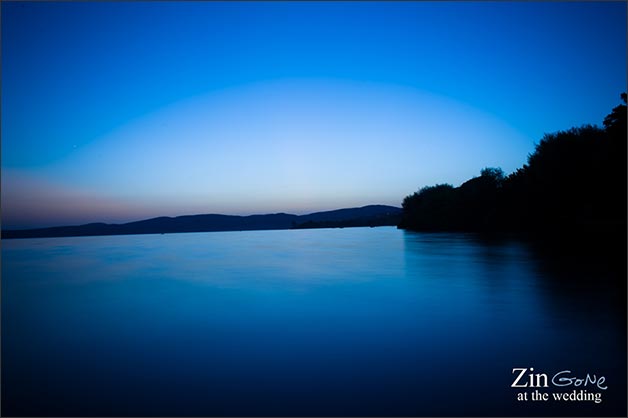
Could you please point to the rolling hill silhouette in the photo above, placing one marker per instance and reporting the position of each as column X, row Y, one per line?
column 372, row 215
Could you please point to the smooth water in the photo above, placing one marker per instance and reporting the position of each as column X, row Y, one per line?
column 354, row 321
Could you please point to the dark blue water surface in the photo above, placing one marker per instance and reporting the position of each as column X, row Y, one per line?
column 359, row 321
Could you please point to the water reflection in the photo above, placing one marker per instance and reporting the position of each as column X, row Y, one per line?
column 541, row 309
column 360, row 321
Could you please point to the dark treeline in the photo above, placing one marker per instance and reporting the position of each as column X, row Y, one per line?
column 574, row 183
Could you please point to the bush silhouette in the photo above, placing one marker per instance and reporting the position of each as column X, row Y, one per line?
column 431, row 208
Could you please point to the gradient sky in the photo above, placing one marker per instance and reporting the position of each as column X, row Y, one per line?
column 121, row 111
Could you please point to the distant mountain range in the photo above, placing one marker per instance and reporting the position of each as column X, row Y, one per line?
column 372, row 215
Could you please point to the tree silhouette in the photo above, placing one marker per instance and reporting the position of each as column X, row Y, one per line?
column 497, row 174
column 431, row 208
column 574, row 183
column 617, row 117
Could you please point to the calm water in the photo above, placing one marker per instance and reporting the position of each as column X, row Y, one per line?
column 359, row 321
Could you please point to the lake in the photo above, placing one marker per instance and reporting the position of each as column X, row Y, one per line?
column 354, row 321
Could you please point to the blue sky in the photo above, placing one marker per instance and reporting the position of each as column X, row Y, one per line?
column 121, row 111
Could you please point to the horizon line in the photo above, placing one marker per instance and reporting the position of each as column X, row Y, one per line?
column 69, row 224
